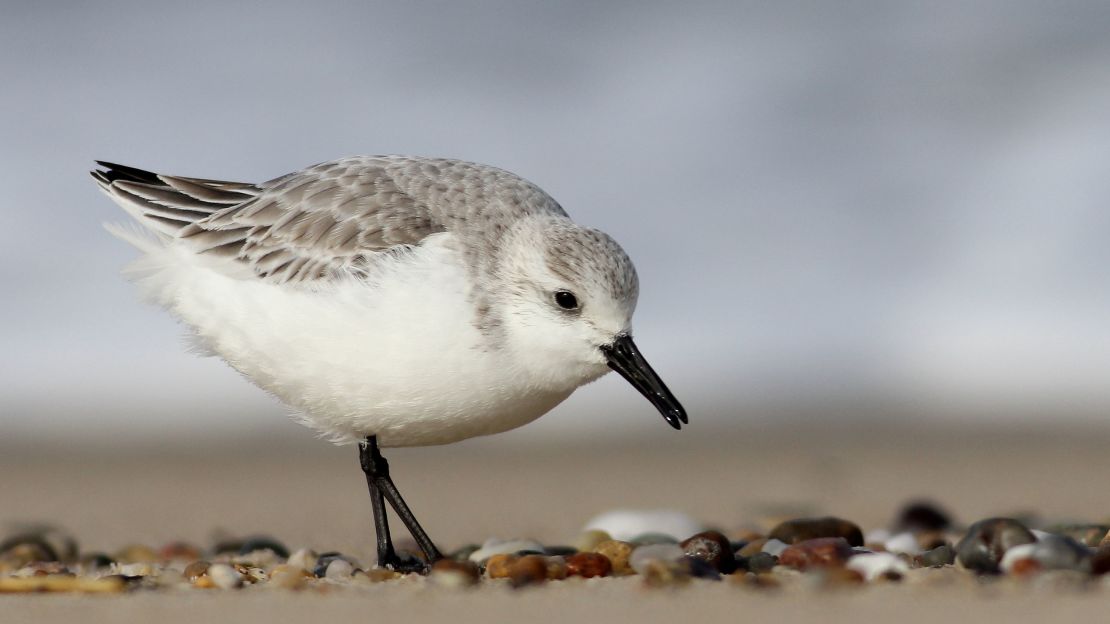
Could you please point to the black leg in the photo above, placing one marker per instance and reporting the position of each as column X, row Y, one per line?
column 381, row 487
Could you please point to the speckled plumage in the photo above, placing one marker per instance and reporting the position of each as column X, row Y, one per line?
column 401, row 297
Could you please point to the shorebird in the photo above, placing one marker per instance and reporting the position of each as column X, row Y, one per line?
column 390, row 300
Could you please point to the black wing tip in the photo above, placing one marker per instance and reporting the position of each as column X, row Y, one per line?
column 113, row 172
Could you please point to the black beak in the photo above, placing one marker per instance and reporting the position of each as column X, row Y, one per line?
column 626, row 359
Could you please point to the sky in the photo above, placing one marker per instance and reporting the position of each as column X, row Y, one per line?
column 903, row 203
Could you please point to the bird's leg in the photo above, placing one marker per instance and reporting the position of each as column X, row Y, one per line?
column 381, row 489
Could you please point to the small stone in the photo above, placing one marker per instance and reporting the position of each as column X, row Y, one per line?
column 324, row 561
column 774, row 547
column 876, row 566
column 1086, row 534
column 224, row 576
column 700, row 568
column 304, row 559
column 759, row 563
column 263, row 542
column 339, row 569
column 903, row 543
column 618, row 553
column 660, row 573
column 625, row 525
column 921, row 516
column 137, row 553
column 981, row 550
column 528, row 570
column 506, row 547
column 713, row 548
column 588, row 565
column 817, row 553
column 651, row 539
column 137, row 569
column 644, row 555
column 1105, row 540
column 803, row 529
column 288, row 577
column 1100, row 561
column 179, row 551
column 377, row 575
column 1053, row 552
column 940, row 556
column 463, row 554
column 753, row 547
column 195, row 570
column 588, row 540
column 556, row 568
column 453, row 573
column 498, row 566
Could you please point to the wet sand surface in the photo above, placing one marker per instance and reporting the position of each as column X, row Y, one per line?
column 309, row 494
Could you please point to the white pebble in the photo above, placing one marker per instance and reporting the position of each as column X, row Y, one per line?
column 879, row 565
column 303, row 559
column 224, row 576
column 775, row 547
column 625, row 524
column 494, row 546
column 339, row 569
column 902, row 543
column 1016, row 554
column 136, row 569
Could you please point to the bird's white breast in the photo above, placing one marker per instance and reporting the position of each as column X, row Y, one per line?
column 397, row 355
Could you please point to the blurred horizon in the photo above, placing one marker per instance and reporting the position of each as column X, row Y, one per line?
column 864, row 211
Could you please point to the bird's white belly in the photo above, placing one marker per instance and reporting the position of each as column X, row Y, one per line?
column 397, row 356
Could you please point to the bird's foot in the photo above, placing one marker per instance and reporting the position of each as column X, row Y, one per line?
column 405, row 563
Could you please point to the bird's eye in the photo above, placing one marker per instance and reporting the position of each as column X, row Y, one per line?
column 566, row 300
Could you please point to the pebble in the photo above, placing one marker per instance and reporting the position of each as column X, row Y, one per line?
column 922, row 516
column 642, row 556
column 195, row 570
column 1105, row 540
column 1053, row 552
column 988, row 540
column 224, row 576
column 903, row 543
column 339, row 569
column 815, row 553
column 304, row 559
column 882, row 565
column 325, row 561
column 774, row 547
column 179, row 551
column 506, row 547
column 713, row 548
column 529, row 570
column 759, row 562
column 136, row 553
column 753, row 547
column 456, row 574
column 700, row 568
column 556, row 568
column 498, row 566
column 659, row 573
column 263, row 542
column 588, row 565
column 802, row 529
column 1086, row 534
column 940, row 556
column 625, row 525
column 618, row 553
column 288, row 577
column 25, row 551
column 377, row 575
column 588, row 540
column 1100, row 561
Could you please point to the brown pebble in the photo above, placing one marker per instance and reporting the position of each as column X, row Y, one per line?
column 376, row 575
column 288, row 577
column 659, row 573
column 179, row 551
column 1105, row 540
column 528, row 570
column 137, row 553
column 203, row 582
column 498, row 566
column 802, row 529
column 195, row 570
column 456, row 573
column 1100, row 561
column 588, row 565
column 713, row 548
column 753, row 547
column 816, row 553
column 556, row 568
column 618, row 553
column 1025, row 567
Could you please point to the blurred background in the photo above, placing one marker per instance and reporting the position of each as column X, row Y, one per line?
column 894, row 212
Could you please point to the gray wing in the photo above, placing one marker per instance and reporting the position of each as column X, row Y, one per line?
column 326, row 220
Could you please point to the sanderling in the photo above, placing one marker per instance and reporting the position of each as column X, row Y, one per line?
column 391, row 301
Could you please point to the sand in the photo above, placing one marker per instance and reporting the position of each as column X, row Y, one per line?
column 307, row 493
